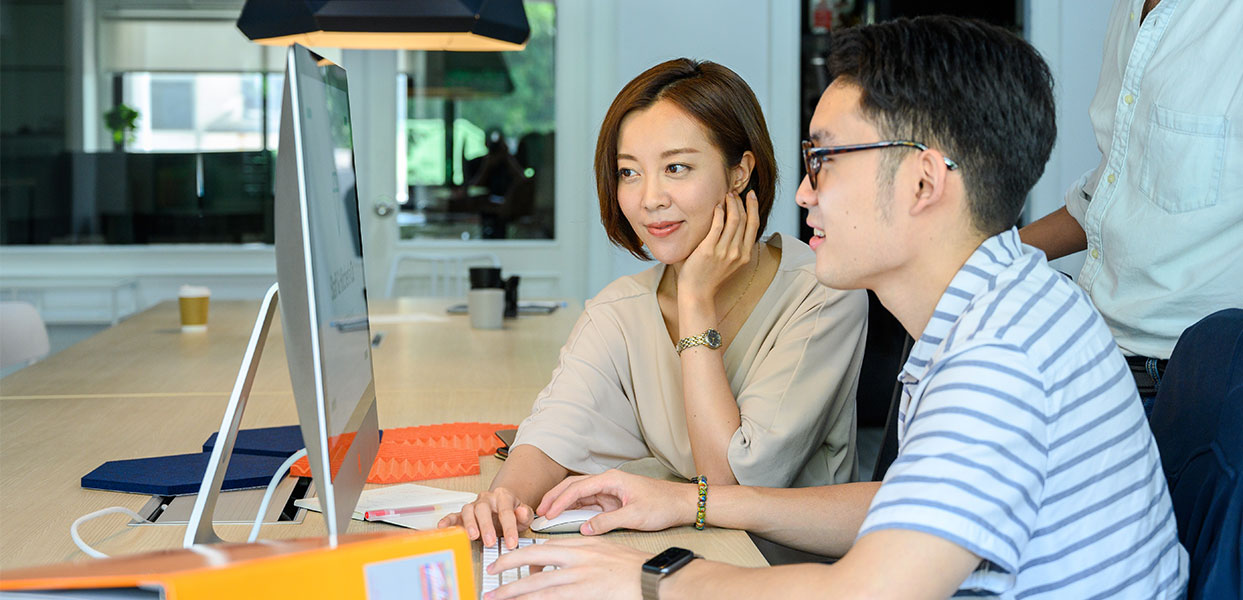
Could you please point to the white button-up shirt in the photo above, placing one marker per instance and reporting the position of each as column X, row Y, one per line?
column 1163, row 212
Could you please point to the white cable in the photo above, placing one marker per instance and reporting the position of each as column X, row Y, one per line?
column 267, row 496
column 254, row 531
column 77, row 539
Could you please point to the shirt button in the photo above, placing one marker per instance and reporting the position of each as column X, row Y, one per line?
column 1111, row 178
column 1132, row 15
column 1128, row 98
column 1096, row 253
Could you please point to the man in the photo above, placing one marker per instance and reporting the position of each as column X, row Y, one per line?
column 1162, row 214
column 1025, row 468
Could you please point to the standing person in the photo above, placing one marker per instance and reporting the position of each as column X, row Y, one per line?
column 1025, row 465
column 1161, row 216
column 699, row 360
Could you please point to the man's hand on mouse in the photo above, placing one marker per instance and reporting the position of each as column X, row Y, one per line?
column 628, row 501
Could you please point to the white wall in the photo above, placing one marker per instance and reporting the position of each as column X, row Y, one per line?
column 232, row 272
column 1070, row 34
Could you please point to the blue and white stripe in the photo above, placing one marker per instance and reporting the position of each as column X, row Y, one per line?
column 1022, row 439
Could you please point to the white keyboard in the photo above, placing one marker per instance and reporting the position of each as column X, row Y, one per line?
column 491, row 553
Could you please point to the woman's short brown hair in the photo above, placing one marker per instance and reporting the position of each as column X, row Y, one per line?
column 724, row 106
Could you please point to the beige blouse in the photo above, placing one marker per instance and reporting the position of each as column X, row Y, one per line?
column 616, row 395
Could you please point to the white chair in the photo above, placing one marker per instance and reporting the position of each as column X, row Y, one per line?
column 447, row 273
column 23, row 336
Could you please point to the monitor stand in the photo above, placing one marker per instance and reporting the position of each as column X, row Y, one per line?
column 200, row 529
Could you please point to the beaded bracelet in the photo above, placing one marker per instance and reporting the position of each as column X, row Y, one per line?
column 703, row 501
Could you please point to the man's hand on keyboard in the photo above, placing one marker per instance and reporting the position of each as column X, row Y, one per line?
column 629, row 501
column 586, row 568
column 492, row 508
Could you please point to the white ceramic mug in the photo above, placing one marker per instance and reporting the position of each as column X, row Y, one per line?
column 486, row 307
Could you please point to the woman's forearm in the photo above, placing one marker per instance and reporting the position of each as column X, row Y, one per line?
column 529, row 473
column 712, row 415
column 824, row 519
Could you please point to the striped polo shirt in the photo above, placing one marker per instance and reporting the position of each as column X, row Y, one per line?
column 1022, row 439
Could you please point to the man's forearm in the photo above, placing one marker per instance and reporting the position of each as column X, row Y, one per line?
column 1058, row 234
column 929, row 567
column 705, row 579
column 822, row 519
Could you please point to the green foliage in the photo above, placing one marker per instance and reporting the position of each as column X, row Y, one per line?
column 529, row 108
column 121, row 120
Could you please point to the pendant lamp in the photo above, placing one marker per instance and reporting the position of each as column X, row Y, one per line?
column 459, row 25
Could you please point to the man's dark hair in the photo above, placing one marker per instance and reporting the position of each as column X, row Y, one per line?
column 974, row 91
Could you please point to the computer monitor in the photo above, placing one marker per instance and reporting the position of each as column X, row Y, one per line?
column 323, row 300
column 323, row 294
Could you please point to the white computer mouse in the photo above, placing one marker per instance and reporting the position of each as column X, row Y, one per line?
column 569, row 521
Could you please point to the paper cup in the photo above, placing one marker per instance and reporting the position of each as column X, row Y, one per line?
column 193, row 301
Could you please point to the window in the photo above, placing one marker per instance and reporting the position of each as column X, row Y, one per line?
column 203, row 112
column 479, row 140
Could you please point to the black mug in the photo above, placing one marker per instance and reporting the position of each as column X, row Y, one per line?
column 485, row 278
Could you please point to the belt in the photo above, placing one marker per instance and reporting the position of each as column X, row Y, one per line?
column 1141, row 362
column 1145, row 379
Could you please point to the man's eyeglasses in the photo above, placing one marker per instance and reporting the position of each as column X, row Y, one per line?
column 813, row 156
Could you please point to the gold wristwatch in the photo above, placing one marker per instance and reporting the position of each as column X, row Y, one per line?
column 710, row 338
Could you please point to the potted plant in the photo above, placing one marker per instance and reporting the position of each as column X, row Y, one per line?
column 121, row 120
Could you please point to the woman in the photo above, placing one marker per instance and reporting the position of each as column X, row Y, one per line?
column 696, row 361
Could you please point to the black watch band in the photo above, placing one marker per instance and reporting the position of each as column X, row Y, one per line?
column 660, row 566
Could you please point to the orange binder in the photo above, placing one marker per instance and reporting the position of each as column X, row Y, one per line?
column 428, row 565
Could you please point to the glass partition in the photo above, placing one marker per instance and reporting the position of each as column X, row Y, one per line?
column 479, row 140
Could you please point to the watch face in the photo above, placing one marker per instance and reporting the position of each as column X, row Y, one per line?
column 714, row 338
column 668, row 561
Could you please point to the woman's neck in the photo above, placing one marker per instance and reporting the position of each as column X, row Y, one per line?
column 728, row 290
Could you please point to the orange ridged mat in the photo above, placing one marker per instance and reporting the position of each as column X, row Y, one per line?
column 422, row 452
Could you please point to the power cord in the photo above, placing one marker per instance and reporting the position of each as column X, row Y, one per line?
column 77, row 539
column 254, row 530
column 267, row 496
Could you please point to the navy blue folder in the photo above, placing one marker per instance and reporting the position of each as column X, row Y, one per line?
column 179, row 474
column 265, row 441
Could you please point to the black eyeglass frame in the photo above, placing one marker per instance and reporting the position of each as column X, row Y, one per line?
column 813, row 154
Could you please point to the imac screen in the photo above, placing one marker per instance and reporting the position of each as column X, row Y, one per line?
column 335, row 244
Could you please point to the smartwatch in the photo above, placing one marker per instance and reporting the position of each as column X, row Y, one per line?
column 660, row 566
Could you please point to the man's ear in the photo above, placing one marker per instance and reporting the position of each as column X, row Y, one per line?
column 740, row 173
column 933, row 173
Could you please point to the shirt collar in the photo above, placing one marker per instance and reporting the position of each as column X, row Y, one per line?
column 977, row 275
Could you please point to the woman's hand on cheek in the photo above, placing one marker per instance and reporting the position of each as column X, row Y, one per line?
column 727, row 248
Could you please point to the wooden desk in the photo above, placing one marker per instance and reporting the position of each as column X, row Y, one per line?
column 143, row 388
column 424, row 349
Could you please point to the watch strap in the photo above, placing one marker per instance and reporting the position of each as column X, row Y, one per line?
column 704, row 339
column 649, row 584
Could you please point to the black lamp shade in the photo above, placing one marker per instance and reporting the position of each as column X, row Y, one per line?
column 464, row 25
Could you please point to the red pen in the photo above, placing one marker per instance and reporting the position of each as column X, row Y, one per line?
column 395, row 512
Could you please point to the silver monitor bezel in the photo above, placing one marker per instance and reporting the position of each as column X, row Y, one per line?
column 299, row 316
